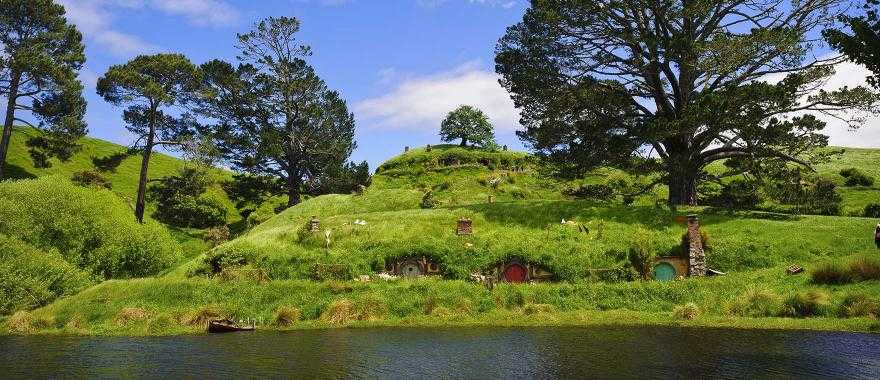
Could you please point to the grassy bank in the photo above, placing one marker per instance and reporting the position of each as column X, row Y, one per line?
column 163, row 306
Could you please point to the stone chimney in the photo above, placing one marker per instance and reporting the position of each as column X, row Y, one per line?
column 696, row 255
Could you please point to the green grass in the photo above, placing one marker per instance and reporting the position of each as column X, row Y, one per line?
column 753, row 247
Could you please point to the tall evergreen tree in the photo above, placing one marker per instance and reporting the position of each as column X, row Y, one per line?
column 687, row 82
column 274, row 115
column 41, row 55
column 151, row 86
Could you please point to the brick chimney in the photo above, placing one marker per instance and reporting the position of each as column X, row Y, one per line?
column 696, row 256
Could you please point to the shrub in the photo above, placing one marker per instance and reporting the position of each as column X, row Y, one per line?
column 805, row 304
column 181, row 201
column 859, row 305
column 428, row 201
column 340, row 312
column 91, row 229
column 872, row 210
column 641, row 254
column 538, row 308
column 217, row 235
column 737, row 195
column 855, row 177
column 91, row 178
column 688, row 311
column 756, row 302
column 821, row 198
column 830, row 274
column 864, row 268
column 287, row 316
column 30, row 278
column 596, row 192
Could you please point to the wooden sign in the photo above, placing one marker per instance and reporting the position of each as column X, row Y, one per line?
column 465, row 227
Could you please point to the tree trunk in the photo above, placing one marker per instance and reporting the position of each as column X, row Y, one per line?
column 12, row 97
column 140, row 205
column 463, row 142
column 683, row 186
column 294, row 182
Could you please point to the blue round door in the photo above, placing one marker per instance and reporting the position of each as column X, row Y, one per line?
column 664, row 272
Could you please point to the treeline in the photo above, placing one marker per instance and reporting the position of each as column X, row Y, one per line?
column 268, row 115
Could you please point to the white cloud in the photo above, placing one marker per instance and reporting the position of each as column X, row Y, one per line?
column 95, row 19
column 868, row 134
column 421, row 103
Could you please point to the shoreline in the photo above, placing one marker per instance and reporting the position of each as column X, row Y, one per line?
column 505, row 319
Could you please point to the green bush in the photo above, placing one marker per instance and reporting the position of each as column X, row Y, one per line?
column 756, row 302
column 737, row 195
column 810, row 303
column 91, row 178
column 872, row 210
column 641, row 253
column 855, row 177
column 428, row 201
column 92, row 229
column 596, row 192
column 30, row 278
column 859, row 305
column 182, row 202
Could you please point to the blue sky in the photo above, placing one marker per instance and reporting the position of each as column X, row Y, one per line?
column 400, row 64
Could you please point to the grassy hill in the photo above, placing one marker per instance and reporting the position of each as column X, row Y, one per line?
column 124, row 179
column 314, row 281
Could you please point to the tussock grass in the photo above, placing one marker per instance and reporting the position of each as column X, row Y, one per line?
column 131, row 314
column 287, row 316
column 688, row 311
column 756, row 302
column 810, row 303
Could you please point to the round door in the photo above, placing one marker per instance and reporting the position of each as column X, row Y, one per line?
column 664, row 272
column 515, row 273
column 410, row 269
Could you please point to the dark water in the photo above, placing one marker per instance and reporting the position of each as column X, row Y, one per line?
column 618, row 352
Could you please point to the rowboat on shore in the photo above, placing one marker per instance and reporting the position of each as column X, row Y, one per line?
column 226, row 325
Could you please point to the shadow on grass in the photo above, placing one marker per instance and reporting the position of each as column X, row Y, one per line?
column 16, row 172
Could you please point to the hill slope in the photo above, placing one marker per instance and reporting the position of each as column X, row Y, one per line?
column 523, row 222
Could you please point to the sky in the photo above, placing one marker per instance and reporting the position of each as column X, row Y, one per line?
column 401, row 65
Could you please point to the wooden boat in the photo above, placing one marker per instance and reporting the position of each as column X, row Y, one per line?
column 225, row 326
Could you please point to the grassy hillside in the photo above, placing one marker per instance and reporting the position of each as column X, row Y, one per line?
column 125, row 179
column 867, row 161
column 279, row 268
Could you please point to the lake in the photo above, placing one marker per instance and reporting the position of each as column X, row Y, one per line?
column 596, row 352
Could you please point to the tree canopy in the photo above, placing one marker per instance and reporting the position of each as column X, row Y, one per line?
column 676, row 83
column 271, row 112
column 468, row 124
column 40, row 55
column 155, row 88
column 862, row 42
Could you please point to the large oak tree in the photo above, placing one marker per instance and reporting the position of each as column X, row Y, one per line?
column 40, row 55
column 272, row 114
column 156, row 90
column 683, row 83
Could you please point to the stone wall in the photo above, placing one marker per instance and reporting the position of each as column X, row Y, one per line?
column 696, row 255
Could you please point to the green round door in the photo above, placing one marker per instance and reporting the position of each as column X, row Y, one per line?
column 664, row 272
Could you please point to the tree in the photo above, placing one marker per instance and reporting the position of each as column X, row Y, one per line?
column 41, row 55
column 150, row 86
column 681, row 83
column 182, row 202
column 863, row 45
column 343, row 179
column 468, row 124
column 273, row 114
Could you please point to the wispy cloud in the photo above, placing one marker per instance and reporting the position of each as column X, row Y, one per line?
column 95, row 18
column 849, row 74
column 421, row 103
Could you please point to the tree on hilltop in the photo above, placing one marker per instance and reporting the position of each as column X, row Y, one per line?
column 679, row 83
column 152, row 86
column 40, row 55
column 468, row 124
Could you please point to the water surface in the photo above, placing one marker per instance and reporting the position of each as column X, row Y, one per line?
column 485, row 353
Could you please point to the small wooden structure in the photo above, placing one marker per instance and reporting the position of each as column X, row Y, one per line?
column 416, row 266
column 491, row 199
column 314, row 224
column 520, row 271
column 465, row 226
column 794, row 269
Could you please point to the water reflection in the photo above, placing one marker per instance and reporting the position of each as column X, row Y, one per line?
column 615, row 352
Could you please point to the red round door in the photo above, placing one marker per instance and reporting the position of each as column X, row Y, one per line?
column 515, row 273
